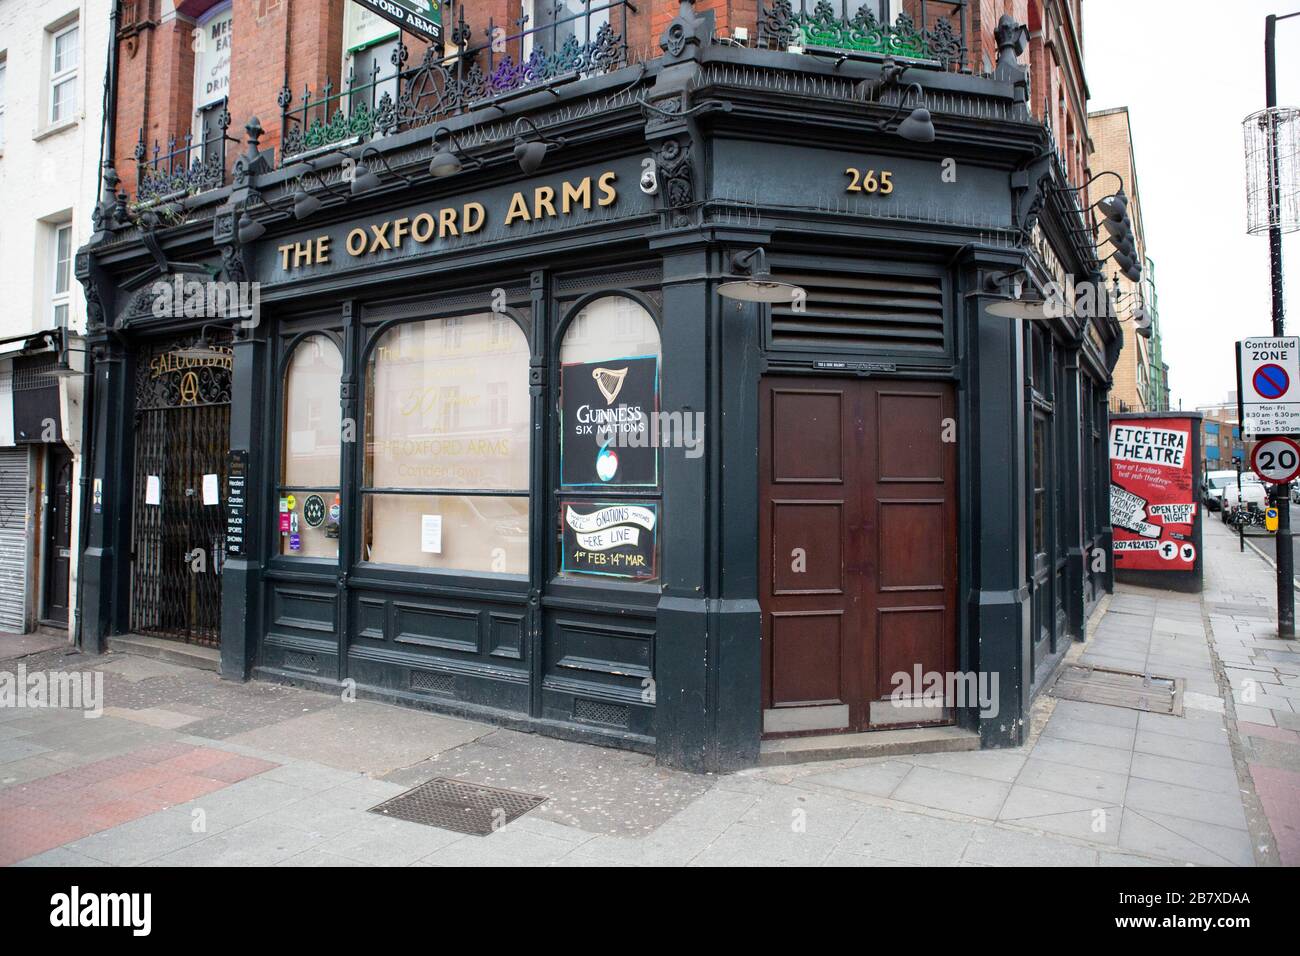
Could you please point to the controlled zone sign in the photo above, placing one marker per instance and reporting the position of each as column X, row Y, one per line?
column 1268, row 383
column 1276, row 460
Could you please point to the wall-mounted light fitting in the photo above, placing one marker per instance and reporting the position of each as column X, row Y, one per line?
column 530, row 153
column 752, row 280
column 449, row 160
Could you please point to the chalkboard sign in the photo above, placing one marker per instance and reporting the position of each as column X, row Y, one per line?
column 617, row 540
column 236, row 501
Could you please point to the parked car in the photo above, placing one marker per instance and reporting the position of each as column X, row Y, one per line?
column 1213, row 487
column 1253, row 493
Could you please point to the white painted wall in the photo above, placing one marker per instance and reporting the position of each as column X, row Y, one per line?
column 49, row 173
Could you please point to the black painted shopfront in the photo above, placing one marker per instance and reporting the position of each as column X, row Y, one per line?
column 426, row 504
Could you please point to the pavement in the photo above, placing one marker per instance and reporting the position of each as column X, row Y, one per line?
column 183, row 768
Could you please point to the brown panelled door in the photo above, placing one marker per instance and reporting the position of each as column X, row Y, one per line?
column 858, row 561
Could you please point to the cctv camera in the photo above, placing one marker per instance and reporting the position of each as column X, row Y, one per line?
column 649, row 179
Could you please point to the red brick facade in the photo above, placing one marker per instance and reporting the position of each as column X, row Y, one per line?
column 300, row 42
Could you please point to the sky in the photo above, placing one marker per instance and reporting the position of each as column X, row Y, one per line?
column 1188, row 81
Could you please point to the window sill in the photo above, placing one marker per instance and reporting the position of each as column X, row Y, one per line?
column 55, row 128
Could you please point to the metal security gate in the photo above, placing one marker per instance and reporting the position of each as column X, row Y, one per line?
column 182, row 436
column 14, row 482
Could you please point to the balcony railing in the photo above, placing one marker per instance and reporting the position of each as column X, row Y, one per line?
column 185, row 167
column 570, row 45
column 924, row 32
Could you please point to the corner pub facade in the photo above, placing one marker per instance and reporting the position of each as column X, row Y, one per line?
column 396, row 474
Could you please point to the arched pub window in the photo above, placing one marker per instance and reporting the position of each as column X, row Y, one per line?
column 446, row 446
column 611, row 431
column 311, row 435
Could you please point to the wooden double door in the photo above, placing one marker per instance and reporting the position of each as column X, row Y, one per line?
column 858, row 551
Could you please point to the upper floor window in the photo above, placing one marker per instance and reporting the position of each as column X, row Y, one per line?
column 65, row 55
column 552, row 23
column 369, row 42
column 212, row 50
column 61, row 274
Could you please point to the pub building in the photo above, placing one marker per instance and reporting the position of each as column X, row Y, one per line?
column 677, row 399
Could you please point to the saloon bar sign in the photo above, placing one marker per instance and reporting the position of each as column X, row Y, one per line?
column 423, row 17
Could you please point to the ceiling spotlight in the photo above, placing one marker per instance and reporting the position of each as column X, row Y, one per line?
column 758, row 285
column 530, row 153
column 449, row 160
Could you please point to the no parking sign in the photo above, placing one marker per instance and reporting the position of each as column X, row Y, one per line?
column 1268, row 381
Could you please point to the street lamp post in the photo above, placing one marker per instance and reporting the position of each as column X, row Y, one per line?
column 1281, row 493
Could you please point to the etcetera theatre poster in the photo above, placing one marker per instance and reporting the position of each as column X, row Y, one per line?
column 1152, row 494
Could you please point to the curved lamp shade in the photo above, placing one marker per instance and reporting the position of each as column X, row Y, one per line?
column 918, row 127
column 250, row 230
column 304, row 204
column 758, row 289
column 529, row 155
column 1114, row 207
column 1029, row 307
column 444, row 163
column 364, row 179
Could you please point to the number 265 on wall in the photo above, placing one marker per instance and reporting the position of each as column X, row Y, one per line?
column 867, row 181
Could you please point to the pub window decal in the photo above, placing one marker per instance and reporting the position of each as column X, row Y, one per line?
column 608, row 407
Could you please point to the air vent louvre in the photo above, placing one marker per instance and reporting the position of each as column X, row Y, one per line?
column 433, row 682
column 297, row 660
column 847, row 311
column 600, row 712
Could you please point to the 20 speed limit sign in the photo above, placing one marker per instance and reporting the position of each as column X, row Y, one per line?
column 1276, row 460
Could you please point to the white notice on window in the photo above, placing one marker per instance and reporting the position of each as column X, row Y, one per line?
column 210, row 494
column 153, row 490
column 431, row 534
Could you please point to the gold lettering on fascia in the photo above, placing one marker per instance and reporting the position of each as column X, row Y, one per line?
column 526, row 205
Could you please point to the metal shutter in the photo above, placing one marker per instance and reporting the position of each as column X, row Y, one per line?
column 13, row 539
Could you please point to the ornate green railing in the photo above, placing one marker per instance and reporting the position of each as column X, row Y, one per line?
column 916, row 33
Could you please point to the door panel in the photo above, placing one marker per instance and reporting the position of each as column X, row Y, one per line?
column 858, row 525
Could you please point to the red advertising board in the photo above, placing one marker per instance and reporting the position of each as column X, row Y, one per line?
column 1153, row 500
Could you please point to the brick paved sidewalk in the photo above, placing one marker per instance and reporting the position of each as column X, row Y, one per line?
column 186, row 769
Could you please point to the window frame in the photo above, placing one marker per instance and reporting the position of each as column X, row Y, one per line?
column 4, row 94
column 289, row 344
column 571, row 313
column 360, row 490
column 56, row 78
column 61, row 269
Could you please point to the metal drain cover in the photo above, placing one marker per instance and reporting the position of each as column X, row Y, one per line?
column 456, row 805
column 1101, row 685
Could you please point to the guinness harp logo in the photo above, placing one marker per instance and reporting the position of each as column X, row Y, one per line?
column 610, row 382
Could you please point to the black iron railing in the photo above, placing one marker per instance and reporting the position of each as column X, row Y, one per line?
column 577, row 38
column 933, row 33
column 185, row 167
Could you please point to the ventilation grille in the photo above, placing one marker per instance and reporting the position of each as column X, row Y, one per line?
column 860, row 311
column 600, row 712
column 299, row 661
column 433, row 682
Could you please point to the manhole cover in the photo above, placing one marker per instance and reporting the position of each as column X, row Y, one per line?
column 1101, row 685
column 456, row 805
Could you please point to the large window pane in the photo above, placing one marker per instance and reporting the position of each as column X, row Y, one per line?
column 448, row 410
column 453, row 532
column 309, row 512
